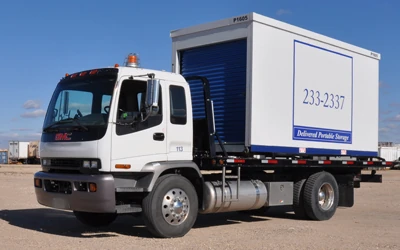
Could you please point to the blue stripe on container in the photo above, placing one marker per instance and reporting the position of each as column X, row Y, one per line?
column 224, row 65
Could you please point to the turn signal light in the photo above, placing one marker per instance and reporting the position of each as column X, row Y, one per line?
column 92, row 187
column 38, row 183
column 123, row 166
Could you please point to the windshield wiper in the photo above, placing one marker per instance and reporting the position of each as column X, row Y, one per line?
column 66, row 121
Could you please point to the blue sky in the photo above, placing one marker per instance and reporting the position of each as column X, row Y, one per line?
column 42, row 40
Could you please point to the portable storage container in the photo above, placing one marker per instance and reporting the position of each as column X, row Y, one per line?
column 389, row 153
column 18, row 150
column 282, row 89
column 3, row 157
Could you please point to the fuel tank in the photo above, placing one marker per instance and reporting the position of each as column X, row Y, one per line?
column 253, row 194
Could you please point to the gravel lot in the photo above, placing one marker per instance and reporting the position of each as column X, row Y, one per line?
column 373, row 223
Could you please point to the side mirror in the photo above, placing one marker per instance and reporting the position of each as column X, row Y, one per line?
column 152, row 95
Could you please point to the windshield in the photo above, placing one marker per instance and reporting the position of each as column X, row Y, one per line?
column 80, row 104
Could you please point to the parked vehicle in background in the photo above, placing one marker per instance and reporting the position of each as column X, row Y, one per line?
column 246, row 94
column 3, row 156
column 18, row 151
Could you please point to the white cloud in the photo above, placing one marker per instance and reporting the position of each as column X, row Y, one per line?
column 384, row 130
column 395, row 118
column 84, row 108
column 389, row 131
column 21, row 129
column 34, row 114
column 32, row 104
column 281, row 12
column 6, row 137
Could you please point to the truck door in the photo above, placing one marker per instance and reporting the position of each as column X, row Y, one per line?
column 179, row 128
column 135, row 139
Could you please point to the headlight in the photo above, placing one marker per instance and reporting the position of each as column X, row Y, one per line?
column 93, row 164
column 86, row 164
column 90, row 164
column 46, row 162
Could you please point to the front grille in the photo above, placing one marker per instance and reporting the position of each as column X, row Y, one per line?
column 69, row 163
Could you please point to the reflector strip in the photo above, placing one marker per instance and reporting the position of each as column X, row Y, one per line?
column 270, row 161
column 299, row 162
column 236, row 161
column 368, row 162
column 324, row 162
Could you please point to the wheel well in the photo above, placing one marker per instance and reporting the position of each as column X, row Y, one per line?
column 193, row 176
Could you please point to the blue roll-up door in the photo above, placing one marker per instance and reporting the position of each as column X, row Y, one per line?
column 224, row 65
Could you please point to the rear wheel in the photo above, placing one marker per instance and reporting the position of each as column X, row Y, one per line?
column 321, row 196
column 170, row 209
column 95, row 219
column 298, row 199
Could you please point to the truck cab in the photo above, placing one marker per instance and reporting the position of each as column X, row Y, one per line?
column 109, row 132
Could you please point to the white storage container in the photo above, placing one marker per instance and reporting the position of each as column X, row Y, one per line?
column 18, row 150
column 389, row 153
column 280, row 88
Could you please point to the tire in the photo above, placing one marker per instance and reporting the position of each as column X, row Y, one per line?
column 313, row 208
column 298, row 200
column 95, row 219
column 165, row 218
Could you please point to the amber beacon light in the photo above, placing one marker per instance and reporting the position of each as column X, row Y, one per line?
column 132, row 60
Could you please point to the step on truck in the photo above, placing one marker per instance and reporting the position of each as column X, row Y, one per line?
column 255, row 113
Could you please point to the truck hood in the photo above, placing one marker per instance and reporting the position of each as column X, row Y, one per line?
column 87, row 149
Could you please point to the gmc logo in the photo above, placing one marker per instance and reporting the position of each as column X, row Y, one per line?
column 63, row 137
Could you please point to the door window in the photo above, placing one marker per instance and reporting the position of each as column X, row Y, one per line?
column 131, row 114
column 178, row 105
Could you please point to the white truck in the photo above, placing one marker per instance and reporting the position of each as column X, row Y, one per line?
column 246, row 94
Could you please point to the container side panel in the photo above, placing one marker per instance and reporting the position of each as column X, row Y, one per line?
column 311, row 97
column 322, row 94
column 224, row 65
column 23, row 150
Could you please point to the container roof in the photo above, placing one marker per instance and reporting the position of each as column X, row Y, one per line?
column 254, row 17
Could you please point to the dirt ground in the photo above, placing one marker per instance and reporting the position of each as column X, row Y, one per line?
column 373, row 223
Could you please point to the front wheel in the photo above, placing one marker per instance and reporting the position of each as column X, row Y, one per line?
column 170, row 209
column 321, row 196
column 95, row 219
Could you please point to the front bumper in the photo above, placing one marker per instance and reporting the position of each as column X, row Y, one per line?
column 68, row 192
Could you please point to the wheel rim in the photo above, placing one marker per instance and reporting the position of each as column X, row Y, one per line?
column 325, row 196
column 175, row 206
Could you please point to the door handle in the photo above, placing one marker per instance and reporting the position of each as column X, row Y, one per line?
column 158, row 136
